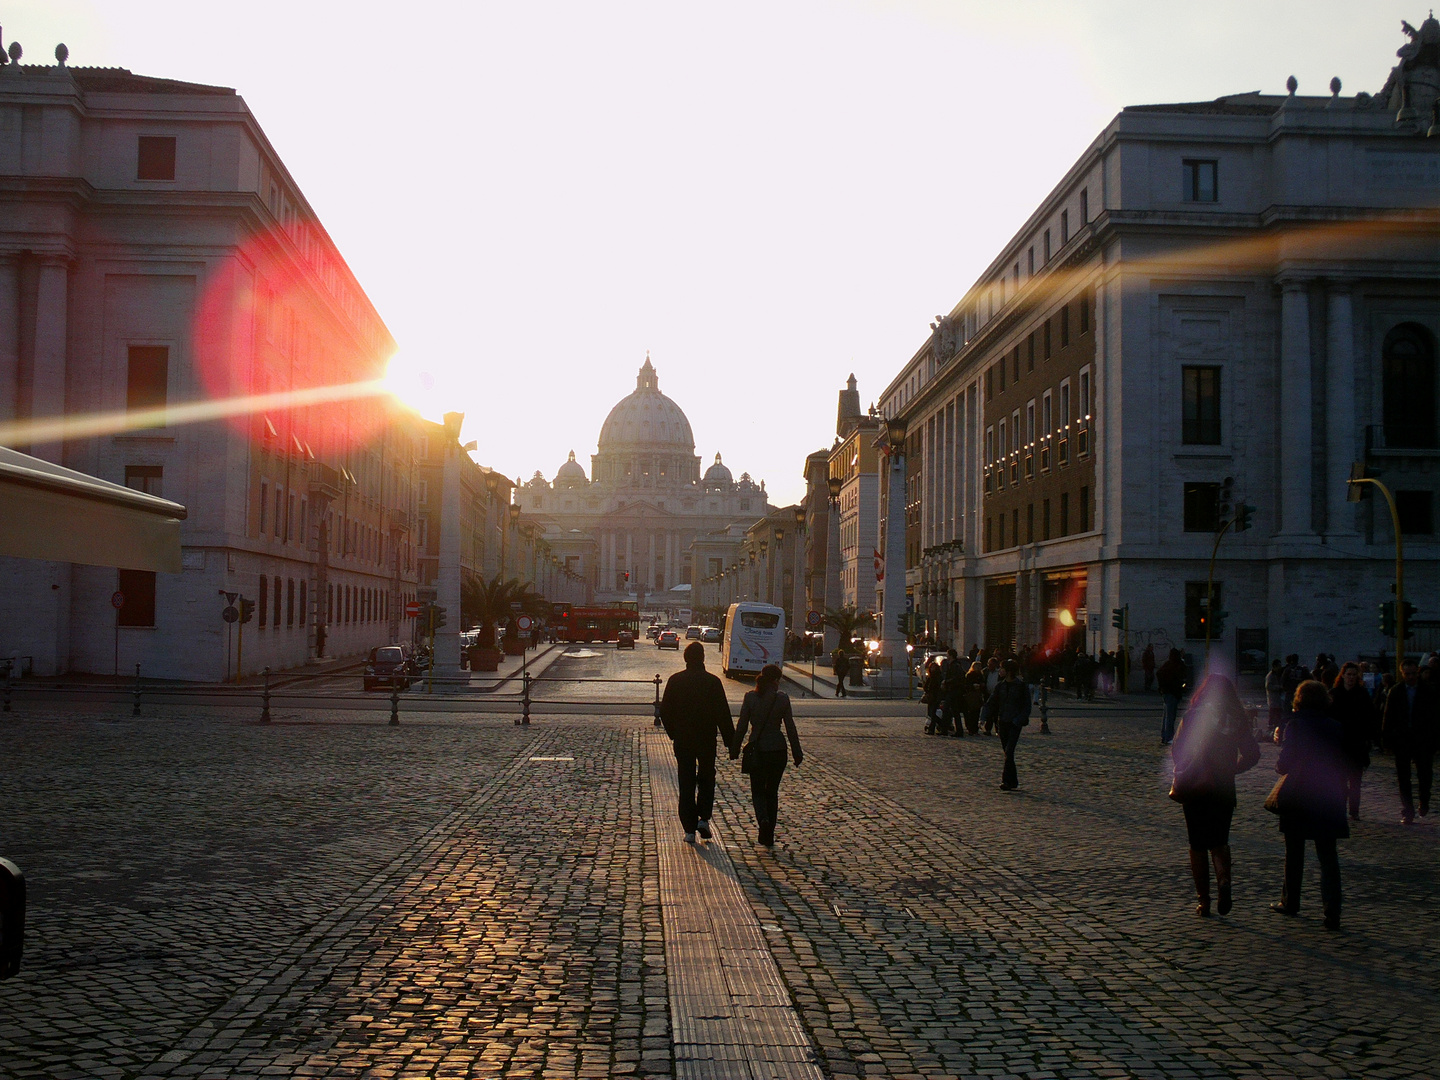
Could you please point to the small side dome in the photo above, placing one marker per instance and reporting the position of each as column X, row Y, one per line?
column 571, row 474
column 718, row 473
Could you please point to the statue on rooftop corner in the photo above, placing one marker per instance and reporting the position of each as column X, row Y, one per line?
column 1414, row 83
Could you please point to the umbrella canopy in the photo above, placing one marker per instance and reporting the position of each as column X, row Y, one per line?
column 50, row 512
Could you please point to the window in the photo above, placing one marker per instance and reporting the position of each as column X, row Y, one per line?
column 1202, row 508
column 1063, row 450
column 424, row 491
column 988, row 545
column 1045, row 519
column 262, row 609
column 1000, row 461
column 1030, row 439
column 1084, row 314
column 138, row 588
column 156, row 159
column 1047, row 427
column 1030, row 353
column 1064, row 325
column 279, row 502
column 290, row 602
column 290, row 519
column 1082, row 434
column 1197, row 608
column 1084, row 206
column 302, row 603
column 1047, row 247
column 329, row 603
column 1408, row 366
column 989, row 383
column 1030, row 259
column 1015, row 527
column 146, row 478
column 147, row 377
column 759, row 620
column 276, row 621
column 1046, row 336
column 1017, row 363
column 1030, row 523
column 1064, row 513
column 1084, row 509
column 1017, row 276
column 1416, row 514
column 1200, row 409
column 264, row 510
column 1064, row 227
column 1001, row 367
column 1200, row 182
column 1015, row 447
column 989, row 458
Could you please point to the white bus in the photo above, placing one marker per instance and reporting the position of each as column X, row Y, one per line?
column 754, row 636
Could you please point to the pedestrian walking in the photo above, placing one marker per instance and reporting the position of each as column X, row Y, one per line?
column 1311, row 799
column 973, row 697
column 952, row 691
column 762, row 712
column 1171, row 678
column 1214, row 742
column 1411, row 730
column 1351, row 706
column 930, row 697
column 1275, row 695
column 840, row 665
column 1147, row 664
column 993, row 675
column 1009, row 709
column 693, row 711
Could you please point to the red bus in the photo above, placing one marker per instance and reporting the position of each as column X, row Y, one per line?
column 573, row 623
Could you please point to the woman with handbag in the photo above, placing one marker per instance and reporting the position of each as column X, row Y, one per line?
column 1213, row 744
column 1351, row 705
column 1310, row 798
column 763, row 712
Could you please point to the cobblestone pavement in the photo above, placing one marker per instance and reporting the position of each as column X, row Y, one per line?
column 454, row 897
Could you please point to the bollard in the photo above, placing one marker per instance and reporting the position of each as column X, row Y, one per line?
column 12, row 918
column 136, row 710
column 265, row 699
column 524, row 698
column 657, row 700
column 394, row 702
column 1044, row 710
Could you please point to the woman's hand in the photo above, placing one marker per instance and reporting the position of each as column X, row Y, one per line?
column 799, row 757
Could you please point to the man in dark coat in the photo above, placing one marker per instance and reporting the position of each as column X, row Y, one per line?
column 694, row 710
column 1009, row 709
column 1412, row 729
column 1171, row 678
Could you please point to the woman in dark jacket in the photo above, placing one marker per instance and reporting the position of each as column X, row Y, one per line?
column 1312, row 800
column 973, row 697
column 1352, row 706
column 762, row 712
column 1214, row 743
column 932, row 697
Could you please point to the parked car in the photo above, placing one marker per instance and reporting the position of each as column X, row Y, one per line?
column 387, row 667
column 625, row 640
column 668, row 639
column 710, row 635
column 692, row 633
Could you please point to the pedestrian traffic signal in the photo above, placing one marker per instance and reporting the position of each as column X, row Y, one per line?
column 1117, row 617
column 1227, row 499
column 1387, row 619
column 247, row 610
column 1244, row 513
column 1409, row 610
column 437, row 616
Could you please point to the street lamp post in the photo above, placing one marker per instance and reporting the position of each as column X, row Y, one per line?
column 1354, row 492
column 892, row 640
column 799, row 561
column 514, row 541
column 833, row 592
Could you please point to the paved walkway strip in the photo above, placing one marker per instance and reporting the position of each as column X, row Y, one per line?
column 729, row 1010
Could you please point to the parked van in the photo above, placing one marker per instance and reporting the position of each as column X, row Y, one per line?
column 754, row 636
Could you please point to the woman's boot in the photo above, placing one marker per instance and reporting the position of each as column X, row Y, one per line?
column 767, row 833
column 1200, row 871
column 1221, row 858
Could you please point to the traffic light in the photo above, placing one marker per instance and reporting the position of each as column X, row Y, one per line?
column 1409, row 610
column 1244, row 515
column 247, row 610
column 1227, row 500
column 438, row 613
column 627, row 575
column 1117, row 618
column 1387, row 619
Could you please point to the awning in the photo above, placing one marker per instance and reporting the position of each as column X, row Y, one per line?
column 50, row 512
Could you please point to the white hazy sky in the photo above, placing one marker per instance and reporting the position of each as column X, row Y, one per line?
column 767, row 195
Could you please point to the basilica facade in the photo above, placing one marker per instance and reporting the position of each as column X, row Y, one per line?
column 631, row 526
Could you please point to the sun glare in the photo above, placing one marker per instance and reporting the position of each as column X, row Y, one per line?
column 414, row 386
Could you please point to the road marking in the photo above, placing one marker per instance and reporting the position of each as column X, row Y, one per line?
column 552, row 759
column 729, row 1010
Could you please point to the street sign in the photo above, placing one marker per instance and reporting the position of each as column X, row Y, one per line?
column 515, row 605
column 117, row 599
column 231, row 597
column 231, row 614
column 909, row 601
column 427, row 595
column 523, row 623
column 412, row 609
column 813, row 618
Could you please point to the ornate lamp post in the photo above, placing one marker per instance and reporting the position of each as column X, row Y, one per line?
column 833, row 592
column 777, row 570
column 514, row 542
column 892, row 640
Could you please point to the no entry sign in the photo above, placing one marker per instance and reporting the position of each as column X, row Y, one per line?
column 412, row 609
column 117, row 599
column 523, row 622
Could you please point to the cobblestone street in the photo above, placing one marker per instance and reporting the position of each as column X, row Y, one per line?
column 464, row 897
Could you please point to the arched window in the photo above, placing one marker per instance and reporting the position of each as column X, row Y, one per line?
column 1408, row 360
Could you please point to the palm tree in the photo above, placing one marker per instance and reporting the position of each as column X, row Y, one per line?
column 488, row 603
column 849, row 622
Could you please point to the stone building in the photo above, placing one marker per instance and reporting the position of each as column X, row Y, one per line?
column 645, row 502
column 1221, row 301
column 154, row 253
column 855, row 461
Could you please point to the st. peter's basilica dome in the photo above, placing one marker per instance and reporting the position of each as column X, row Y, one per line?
column 571, row 474
column 718, row 474
column 646, row 420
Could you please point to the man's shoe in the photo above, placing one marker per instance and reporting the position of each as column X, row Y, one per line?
column 1407, row 819
column 689, row 838
column 1281, row 907
column 1332, row 922
column 703, row 828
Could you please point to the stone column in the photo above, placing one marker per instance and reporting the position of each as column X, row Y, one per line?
column 1339, row 407
column 447, row 582
column 1295, row 431
column 9, row 337
column 630, row 557
column 650, row 563
column 892, row 642
column 51, row 321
